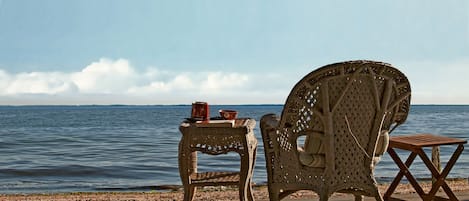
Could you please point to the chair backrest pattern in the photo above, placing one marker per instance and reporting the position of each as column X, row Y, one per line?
column 348, row 104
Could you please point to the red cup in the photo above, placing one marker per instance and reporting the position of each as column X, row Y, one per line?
column 200, row 110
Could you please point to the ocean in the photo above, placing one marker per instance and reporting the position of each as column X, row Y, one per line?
column 135, row 148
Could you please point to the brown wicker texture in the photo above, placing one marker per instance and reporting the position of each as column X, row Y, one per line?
column 216, row 141
column 348, row 103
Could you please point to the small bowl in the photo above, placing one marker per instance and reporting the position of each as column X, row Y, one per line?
column 228, row 114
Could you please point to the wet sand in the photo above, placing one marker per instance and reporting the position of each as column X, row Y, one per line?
column 460, row 187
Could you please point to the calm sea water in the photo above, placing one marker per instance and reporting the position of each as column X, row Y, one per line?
column 134, row 148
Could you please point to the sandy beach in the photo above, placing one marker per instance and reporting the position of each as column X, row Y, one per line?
column 404, row 191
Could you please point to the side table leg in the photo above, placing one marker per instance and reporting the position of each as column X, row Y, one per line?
column 247, row 167
column 189, row 193
column 253, row 161
column 187, row 165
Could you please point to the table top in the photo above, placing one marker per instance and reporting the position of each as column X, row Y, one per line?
column 217, row 140
column 242, row 126
column 422, row 140
column 238, row 123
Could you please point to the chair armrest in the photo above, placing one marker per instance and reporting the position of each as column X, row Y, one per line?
column 269, row 122
column 268, row 127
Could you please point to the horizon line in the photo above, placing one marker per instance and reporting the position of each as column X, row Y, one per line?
column 246, row 104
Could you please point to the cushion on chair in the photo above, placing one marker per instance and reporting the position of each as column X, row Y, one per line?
column 383, row 142
column 312, row 154
column 312, row 160
column 381, row 146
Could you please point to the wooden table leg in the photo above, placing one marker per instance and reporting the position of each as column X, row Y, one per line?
column 404, row 170
column 392, row 187
column 440, row 178
column 446, row 171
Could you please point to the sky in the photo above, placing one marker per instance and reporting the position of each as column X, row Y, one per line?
column 55, row 52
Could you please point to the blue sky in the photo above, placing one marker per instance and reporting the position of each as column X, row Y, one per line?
column 219, row 51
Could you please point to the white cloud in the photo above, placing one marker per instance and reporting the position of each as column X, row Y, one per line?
column 180, row 82
column 36, row 83
column 217, row 81
column 110, row 81
column 105, row 76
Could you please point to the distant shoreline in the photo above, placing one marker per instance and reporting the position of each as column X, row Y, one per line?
column 184, row 105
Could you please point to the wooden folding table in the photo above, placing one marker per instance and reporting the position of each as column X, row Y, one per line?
column 415, row 144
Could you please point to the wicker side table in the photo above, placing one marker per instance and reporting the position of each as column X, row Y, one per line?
column 214, row 141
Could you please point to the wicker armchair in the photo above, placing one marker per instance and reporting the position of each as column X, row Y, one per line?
column 342, row 108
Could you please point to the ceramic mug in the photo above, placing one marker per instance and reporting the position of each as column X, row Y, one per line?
column 200, row 110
